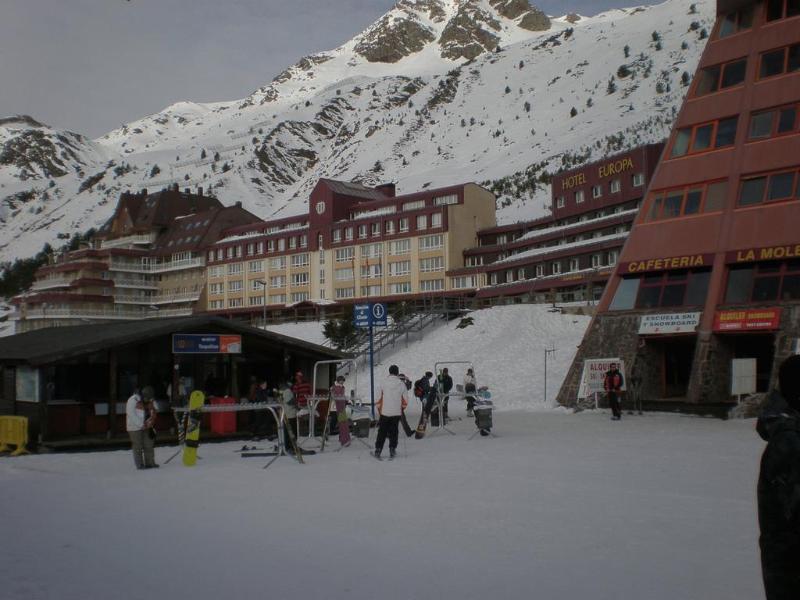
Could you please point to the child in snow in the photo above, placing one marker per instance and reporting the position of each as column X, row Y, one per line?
column 339, row 397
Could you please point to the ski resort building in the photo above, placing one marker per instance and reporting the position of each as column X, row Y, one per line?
column 354, row 243
column 146, row 261
column 704, row 303
column 570, row 254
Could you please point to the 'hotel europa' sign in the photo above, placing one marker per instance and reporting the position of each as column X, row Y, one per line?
column 663, row 324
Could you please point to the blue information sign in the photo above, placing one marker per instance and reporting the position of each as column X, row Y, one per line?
column 370, row 315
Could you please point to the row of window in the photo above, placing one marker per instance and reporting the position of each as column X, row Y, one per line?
column 685, row 201
column 763, row 282
column 422, row 222
column 614, row 187
column 254, row 248
column 771, row 63
column 742, row 19
column 556, row 268
column 706, row 136
column 404, row 287
column 770, row 187
column 406, row 207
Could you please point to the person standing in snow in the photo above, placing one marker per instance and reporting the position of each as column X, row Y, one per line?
column 470, row 390
column 445, row 385
column 339, row 397
column 779, row 486
column 392, row 400
column 140, row 417
column 612, row 384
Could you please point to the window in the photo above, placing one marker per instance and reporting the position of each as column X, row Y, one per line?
column 238, row 250
column 299, row 296
column 465, row 282
column 428, row 265
column 278, row 281
column 560, row 202
column 389, row 227
column 304, row 241
column 493, row 279
column 422, row 222
column 337, row 235
column 300, row 279
column 235, row 302
column 637, row 180
column 615, row 186
column 767, row 188
column 371, row 271
column 300, row 260
column 281, row 245
column 707, row 136
column 277, row 299
column 343, row 274
column 229, row 252
column 540, row 270
column 376, row 229
column 718, row 77
column 400, row 247
column 774, row 122
column 434, row 242
column 220, row 254
column 256, row 285
column 260, row 248
column 235, row 269
column 271, row 246
column 573, row 264
column 348, row 233
column 255, row 266
column 416, row 205
column 345, row 293
column 579, row 196
column 555, row 268
column 597, row 260
column 444, row 200
column 362, row 232
column 702, row 198
column 235, row 286
column 782, row 9
column 251, row 249
column 763, row 282
column 370, row 290
column 400, row 288
column 215, row 289
column 737, row 21
column 344, row 254
column 613, row 255
column 777, row 62
column 210, row 255
column 396, row 269
column 403, row 224
column 436, row 220
column 521, row 273
column 431, row 285
column 278, row 264
column 256, row 300
column 372, row 250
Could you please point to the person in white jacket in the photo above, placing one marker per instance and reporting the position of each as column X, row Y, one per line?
column 392, row 401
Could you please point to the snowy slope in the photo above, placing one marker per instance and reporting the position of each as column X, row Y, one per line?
column 560, row 507
column 432, row 117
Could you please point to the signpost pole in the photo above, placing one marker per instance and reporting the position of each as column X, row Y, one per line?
column 371, row 373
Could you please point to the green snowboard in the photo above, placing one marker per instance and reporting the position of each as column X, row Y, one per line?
column 196, row 401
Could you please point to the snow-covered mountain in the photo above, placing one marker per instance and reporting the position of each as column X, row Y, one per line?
column 435, row 92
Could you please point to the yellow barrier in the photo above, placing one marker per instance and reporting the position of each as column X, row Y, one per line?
column 14, row 430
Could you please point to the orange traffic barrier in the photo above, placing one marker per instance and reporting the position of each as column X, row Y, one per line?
column 14, row 431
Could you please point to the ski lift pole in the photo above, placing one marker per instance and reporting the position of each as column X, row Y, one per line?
column 371, row 374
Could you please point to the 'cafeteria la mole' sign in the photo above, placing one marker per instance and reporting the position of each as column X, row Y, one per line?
column 206, row 343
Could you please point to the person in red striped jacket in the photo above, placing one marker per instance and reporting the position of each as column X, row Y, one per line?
column 301, row 390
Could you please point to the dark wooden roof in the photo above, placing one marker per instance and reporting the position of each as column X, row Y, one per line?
column 44, row 346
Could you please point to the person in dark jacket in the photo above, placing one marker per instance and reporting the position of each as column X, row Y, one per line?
column 445, row 385
column 779, row 486
column 612, row 384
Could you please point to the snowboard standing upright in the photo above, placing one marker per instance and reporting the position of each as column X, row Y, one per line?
column 196, row 401
column 426, row 413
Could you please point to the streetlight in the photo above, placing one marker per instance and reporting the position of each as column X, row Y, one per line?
column 263, row 284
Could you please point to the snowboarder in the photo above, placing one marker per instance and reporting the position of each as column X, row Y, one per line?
column 391, row 402
column 445, row 385
column 140, row 417
column 339, row 397
column 612, row 384
column 779, row 485
column 470, row 390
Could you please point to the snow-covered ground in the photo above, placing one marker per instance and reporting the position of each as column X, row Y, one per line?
column 657, row 507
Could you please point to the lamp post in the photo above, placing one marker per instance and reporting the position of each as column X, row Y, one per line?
column 263, row 284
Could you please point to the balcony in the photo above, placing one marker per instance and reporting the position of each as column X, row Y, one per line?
column 51, row 283
column 142, row 284
column 104, row 314
column 129, row 267
column 144, row 239
column 156, row 300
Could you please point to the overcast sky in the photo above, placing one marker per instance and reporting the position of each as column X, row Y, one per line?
column 92, row 65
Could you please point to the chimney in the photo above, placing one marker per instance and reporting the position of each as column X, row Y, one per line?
column 387, row 189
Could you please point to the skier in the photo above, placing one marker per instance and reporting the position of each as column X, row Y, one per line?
column 445, row 385
column 301, row 390
column 140, row 416
column 779, row 485
column 470, row 390
column 391, row 402
column 262, row 395
column 612, row 383
column 339, row 397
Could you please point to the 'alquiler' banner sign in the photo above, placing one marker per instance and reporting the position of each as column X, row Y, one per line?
column 663, row 324
column 755, row 319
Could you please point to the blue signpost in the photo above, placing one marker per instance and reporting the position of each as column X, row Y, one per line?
column 368, row 316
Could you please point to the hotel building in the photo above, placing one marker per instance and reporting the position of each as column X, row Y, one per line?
column 704, row 303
